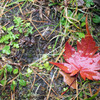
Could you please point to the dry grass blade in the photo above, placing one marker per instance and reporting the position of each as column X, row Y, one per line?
column 97, row 91
column 90, row 89
column 13, row 79
column 21, row 10
column 33, row 81
column 51, row 85
column 77, row 89
column 11, row 9
column 36, row 28
column 13, row 95
column 44, row 80
column 40, row 21
column 58, row 58
column 2, row 7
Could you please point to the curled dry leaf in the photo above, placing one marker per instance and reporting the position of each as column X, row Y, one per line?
column 68, row 79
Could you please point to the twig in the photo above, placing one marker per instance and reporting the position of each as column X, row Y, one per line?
column 51, row 85
column 76, row 89
column 43, row 79
column 36, row 28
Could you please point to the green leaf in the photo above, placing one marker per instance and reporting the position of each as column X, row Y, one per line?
column 27, row 75
column 81, row 18
column 27, row 25
column 45, row 56
column 22, row 82
column 20, row 29
column 96, row 19
column 63, row 21
column 17, row 36
column 13, row 85
column 15, row 71
column 29, row 71
column 15, row 44
column 89, row 3
column 91, row 98
column 4, row 38
column 17, row 21
column 81, row 35
column 6, row 50
column 83, row 24
column 9, row 68
column 1, row 71
column 40, row 67
column 14, row 82
column 4, row 28
column 49, row 47
column 70, row 14
column 10, row 28
column 46, row 64
column 3, row 82
column 53, row 4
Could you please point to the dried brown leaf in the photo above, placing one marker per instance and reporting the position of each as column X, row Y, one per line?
column 68, row 79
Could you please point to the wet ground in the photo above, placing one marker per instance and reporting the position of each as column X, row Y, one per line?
column 42, row 84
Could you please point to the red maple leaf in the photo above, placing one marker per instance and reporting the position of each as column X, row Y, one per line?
column 84, row 60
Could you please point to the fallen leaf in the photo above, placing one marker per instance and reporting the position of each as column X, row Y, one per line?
column 84, row 60
column 68, row 79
